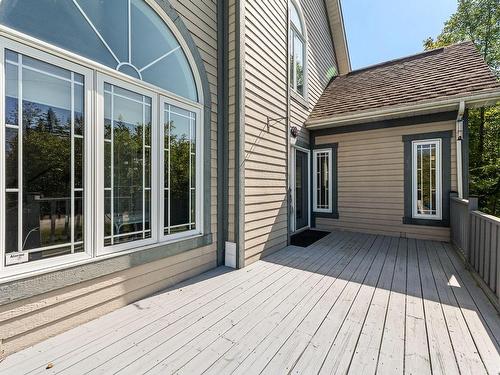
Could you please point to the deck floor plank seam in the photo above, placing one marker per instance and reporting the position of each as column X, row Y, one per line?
column 248, row 342
column 111, row 356
column 316, row 263
column 200, row 344
column 392, row 341
column 312, row 357
column 270, row 347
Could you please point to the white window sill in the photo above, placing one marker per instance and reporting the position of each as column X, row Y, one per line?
column 41, row 267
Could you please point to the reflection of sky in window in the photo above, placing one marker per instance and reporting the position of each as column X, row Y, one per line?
column 99, row 30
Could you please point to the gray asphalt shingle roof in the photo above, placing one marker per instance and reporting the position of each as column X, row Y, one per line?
column 442, row 73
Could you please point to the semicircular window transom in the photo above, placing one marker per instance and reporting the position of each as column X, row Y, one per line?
column 126, row 35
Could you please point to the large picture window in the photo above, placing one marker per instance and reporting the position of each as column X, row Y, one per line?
column 44, row 159
column 426, row 167
column 95, row 160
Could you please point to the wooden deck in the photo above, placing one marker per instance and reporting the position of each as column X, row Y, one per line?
column 350, row 303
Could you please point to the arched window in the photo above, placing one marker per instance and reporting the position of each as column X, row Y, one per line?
column 95, row 160
column 126, row 35
column 297, row 50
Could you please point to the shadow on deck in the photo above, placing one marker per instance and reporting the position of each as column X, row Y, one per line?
column 349, row 303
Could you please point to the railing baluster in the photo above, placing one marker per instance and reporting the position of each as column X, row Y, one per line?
column 477, row 236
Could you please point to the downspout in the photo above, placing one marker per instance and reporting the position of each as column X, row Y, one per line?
column 459, row 138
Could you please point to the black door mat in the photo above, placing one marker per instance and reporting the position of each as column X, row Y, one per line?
column 307, row 237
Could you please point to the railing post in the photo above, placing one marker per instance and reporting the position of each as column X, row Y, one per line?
column 473, row 203
column 453, row 219
column 472, row 206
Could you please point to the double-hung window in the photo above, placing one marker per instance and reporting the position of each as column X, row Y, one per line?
column 101, row 147
column 322, row 180
column 426, row 179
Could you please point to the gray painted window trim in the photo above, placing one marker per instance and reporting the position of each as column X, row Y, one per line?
column 445, row 137
column 335, row 191
column 26, row 286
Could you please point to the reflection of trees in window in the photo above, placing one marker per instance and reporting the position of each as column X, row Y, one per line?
column 128, row 182
column 180, row 146
column 46, row 175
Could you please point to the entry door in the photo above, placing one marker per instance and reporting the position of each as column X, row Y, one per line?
column 301, row 190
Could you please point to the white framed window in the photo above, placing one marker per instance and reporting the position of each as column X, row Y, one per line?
column 126, row 174
column 46, row 142
column 322, row 180
column 426, row 179
column 297, row 50
column 180, row 142
column 94, row 160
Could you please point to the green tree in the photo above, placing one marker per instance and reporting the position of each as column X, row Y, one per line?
column 479, row 21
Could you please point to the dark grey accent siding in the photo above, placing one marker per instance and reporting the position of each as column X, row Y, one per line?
column 446, row 178
column 385, row 124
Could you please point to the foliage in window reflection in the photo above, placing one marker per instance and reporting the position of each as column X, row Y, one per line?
column 46, row 173
column 128, row 169
column 180, row 146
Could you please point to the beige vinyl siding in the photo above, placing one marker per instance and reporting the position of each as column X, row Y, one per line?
column 25, row 322
column 29, row 321
column 266, row 94
column 371, row 182
column 265, row 148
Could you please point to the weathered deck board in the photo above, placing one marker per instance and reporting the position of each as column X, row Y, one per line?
column 350, row 302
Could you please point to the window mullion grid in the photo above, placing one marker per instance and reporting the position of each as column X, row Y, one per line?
column 112, row 168
column 20, row 154
column 129, row 16
column 143, row 167
column 190, row 167
column 72, row 132
column 430, row 179
column 294, row 65
column 292, row 58
column 168, row 166
column 421, row 178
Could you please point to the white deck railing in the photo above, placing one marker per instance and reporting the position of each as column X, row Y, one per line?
column 477, row 236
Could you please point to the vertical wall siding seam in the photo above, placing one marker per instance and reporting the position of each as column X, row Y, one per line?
column 222, row 128
column 240, row 133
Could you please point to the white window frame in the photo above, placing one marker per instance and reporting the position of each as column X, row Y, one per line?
column 317, row 152
column 14, row 46
column 439, row 179
column 25, row 44
column 198, row 174
column 99, row 215
column 293, row 185
column 302, row 36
